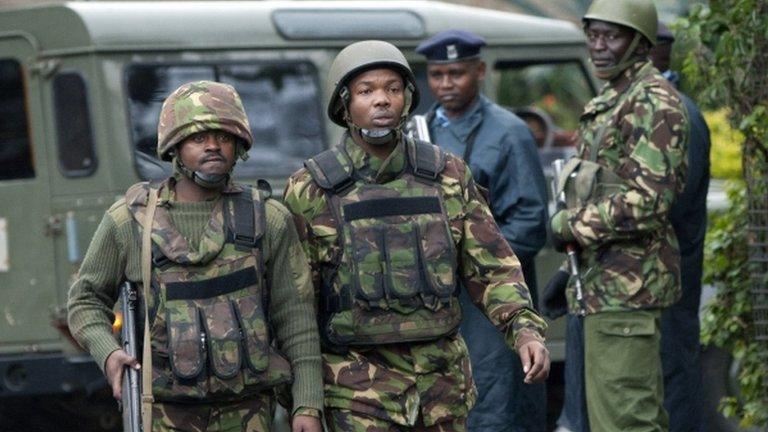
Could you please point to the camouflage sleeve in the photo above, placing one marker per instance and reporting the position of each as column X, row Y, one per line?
column 292, row 306
column 653, row 130
column 298, row 199
column 491, row 272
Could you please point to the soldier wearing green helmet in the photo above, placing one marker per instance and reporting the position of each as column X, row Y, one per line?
column 629, row 167
column 393, row 228
column 224, row 284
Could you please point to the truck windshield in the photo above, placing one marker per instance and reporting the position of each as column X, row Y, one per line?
column 280, row 99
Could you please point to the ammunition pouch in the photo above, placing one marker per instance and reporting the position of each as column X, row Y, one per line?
column 586, row 182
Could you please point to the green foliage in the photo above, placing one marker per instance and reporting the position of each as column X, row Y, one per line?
column 727, row 321
column 727, row 67
column 725, row 157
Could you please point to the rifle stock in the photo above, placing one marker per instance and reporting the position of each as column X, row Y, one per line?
column 131, row 392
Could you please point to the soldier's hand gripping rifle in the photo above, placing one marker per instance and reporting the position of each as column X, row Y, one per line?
column 558, row 195
column 131, row 398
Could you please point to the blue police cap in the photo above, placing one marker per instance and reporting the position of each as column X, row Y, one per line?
column 450, row 46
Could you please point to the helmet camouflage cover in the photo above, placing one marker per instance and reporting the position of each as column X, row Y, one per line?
column 639, row 15
column 358, row 58
column 200, row 106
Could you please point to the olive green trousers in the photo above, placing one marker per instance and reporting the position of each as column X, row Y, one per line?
column 249, row 415
column 622, row 367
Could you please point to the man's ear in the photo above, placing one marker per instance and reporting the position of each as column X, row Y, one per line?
column 480, row 70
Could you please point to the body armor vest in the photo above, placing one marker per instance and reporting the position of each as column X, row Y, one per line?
column 208, row 309
column 395, row 279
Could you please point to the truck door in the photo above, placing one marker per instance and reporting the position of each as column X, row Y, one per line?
column 27, row 291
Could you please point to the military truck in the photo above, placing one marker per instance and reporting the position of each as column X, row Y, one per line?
column 81, row 85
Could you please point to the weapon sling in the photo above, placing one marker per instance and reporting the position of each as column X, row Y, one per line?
column 146, row 273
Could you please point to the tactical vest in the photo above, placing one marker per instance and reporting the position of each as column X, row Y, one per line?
column 209, row 323
column 395, row 279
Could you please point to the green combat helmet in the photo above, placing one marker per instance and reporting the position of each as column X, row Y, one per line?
column 356, row 59
column 196, row 107
column 639, row 15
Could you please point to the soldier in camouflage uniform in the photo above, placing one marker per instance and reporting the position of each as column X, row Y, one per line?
column 629, row 167
column 391, row 227
column 227, row 275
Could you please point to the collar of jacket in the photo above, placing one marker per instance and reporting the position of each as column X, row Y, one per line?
column 373, row 169
column 611, row 91
column 463, row 125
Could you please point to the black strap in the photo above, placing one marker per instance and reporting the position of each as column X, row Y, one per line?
column 159, row 260
column 245, row 233
column 376, row 208
column 329, row 172
column 213, row 287
column 471, row 142
column 427, row 160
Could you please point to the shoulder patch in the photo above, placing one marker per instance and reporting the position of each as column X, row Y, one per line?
column 119, row 212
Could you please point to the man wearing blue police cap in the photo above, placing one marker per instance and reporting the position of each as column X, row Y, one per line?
column 500, row 151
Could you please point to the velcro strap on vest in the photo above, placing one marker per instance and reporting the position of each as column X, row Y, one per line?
column 329, row 172
column 427, row 160
column 376, row 208
column 209, row 288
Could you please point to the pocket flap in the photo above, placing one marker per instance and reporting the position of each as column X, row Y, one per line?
column 628, row 327
column 223, row 334
column 255, row 333
column 184, row 339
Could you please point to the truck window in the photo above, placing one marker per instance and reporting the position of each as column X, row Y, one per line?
column 545, row 95
column 15, row 147
column 282, row 101
column 74, row 136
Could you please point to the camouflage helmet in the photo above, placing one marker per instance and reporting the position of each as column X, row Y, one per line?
column 200, row 106
column 358, row 58
column 639, row 15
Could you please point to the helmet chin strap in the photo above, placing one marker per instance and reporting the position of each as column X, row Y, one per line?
column 380, row 137
column 627, row 60
column 207, row 181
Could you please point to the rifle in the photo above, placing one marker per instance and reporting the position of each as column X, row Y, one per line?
column 417, row 128
column 570, row 249
column 131, row 403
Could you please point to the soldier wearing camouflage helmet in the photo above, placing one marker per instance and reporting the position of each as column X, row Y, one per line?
column 630, row 166
column 392, row 228
column 227, row 275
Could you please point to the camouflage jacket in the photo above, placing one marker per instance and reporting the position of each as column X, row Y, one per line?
column 399, row 382
column 630, row 257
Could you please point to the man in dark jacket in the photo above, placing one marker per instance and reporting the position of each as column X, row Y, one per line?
column 680, row 343
column 501, row 153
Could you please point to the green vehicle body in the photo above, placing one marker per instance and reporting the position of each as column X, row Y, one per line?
column 84, row 59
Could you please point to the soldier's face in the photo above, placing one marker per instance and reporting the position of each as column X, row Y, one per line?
column 456, row 85
column 607, row 42
column 209, row 152
column 377, row 99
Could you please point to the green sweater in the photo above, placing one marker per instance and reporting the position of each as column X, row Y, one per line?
column 114, row 255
